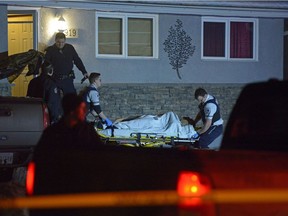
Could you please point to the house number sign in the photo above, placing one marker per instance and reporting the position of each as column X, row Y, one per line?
column 71, row 33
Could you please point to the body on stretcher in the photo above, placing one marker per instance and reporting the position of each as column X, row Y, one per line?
column 163, row 130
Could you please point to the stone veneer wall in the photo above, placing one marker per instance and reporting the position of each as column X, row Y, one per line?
column 123, row 100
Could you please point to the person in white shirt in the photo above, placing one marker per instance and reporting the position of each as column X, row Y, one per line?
column 92, row 98
column 209, row 113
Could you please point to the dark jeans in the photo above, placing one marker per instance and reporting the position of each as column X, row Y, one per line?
column 53, row 96
column 53, row 100
column 66, row 85
column 210, row 135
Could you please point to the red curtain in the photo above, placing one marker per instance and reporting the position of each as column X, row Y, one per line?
column 214, row 39
column 241, row 40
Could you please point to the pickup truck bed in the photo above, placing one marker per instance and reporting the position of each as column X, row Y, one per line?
column 22, row 121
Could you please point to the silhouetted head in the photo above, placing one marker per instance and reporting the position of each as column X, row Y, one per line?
column 73, row 104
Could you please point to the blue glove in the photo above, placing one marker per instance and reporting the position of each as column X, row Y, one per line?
column 196, row 136
column 108, row 122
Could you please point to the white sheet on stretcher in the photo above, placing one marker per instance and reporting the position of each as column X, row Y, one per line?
column 167, row 125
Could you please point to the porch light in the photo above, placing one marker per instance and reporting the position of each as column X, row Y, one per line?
column 62, row 25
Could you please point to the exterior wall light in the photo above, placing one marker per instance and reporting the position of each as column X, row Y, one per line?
column 62, row 25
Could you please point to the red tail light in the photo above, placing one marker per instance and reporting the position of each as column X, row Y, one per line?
column 192, row 184
column 46, row 120
column 30, row 178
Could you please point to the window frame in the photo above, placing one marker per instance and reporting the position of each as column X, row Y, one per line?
column 125, row 17
column 227, row 21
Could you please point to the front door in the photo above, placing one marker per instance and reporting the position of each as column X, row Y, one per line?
column 20, row 39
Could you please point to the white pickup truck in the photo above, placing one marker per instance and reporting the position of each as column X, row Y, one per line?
column 22, row 121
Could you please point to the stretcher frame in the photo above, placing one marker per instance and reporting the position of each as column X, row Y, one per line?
column 139, row 139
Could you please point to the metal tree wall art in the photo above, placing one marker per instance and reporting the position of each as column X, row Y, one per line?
column 178, row 46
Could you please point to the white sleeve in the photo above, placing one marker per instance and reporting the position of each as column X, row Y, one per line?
column 94, row 97
column 209, row 110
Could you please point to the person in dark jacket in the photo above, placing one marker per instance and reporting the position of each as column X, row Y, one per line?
column 44, row 87
column 63, row 56
column 71, row 130
column 36, row 87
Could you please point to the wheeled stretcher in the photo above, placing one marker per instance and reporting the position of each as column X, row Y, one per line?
column 164, row 130
column 148, row 140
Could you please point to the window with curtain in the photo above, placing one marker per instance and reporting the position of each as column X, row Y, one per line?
column 140, row 37
column 228, row 38
column 241, row 40
column 126, row 35
column 110, row 36
column 214, row 39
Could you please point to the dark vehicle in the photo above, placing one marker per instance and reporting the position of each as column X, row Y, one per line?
column 259, row 118
column 22, row 121
column 253, row 163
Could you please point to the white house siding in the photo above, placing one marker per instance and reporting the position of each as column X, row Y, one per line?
column 134, row 87
column 269, row 64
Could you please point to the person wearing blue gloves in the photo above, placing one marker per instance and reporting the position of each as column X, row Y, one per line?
column 209, row 113
column 92, row 99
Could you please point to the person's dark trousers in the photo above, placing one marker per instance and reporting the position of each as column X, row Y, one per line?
column 66, row 85
column 53, row 100
column 53, row 96
column 210, row 135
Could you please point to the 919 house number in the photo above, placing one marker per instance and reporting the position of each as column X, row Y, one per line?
column 71, row 33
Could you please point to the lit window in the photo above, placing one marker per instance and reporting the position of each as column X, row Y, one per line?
column 109, row 36
column 229, row 38
column 126, row 35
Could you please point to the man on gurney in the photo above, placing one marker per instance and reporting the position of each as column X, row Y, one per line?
column 92, row 99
